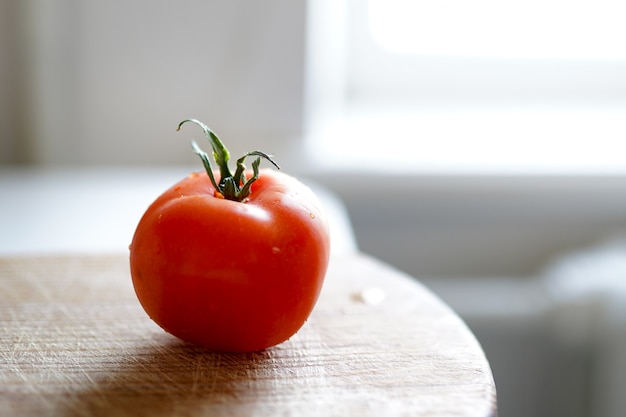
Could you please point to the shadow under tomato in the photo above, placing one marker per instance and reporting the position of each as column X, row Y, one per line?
column 176, row 378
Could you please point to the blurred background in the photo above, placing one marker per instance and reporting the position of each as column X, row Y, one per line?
column 478, row 146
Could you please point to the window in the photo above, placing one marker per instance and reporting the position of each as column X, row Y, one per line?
column 475, row 86
column 496, row 28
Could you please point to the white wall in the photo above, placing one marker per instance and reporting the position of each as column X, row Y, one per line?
column 9, row 97
column 467, row 226
column 107, row 82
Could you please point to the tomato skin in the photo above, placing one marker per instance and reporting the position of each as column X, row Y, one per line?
column 226, row 275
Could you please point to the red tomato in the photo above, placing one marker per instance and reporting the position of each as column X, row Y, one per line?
column 231, row 275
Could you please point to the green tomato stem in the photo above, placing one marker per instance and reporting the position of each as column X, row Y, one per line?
column 232, row 186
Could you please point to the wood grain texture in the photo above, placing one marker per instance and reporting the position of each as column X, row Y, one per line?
column 75, row 341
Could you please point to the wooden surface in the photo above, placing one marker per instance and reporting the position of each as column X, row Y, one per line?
column 74, row 341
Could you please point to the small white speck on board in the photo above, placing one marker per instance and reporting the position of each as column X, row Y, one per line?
column 371, row 296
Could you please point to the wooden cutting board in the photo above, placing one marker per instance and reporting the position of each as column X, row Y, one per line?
column 75, row 341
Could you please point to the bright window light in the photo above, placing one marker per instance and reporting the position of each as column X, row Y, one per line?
column 570, row 29
column 480, row 86
column 477, row 141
